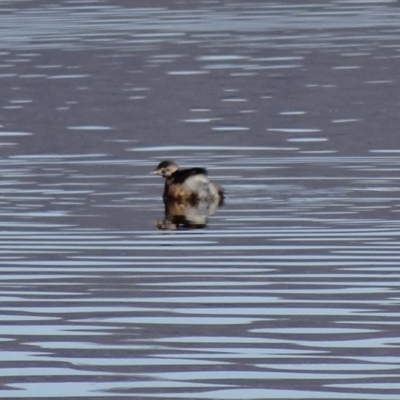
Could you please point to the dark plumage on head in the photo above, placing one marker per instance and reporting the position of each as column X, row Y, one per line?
column 165, row 168
column 165, row 164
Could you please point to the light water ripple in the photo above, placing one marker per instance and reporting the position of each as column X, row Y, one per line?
column 288, row 291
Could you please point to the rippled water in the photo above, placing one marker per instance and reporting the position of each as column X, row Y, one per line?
column 291, row 290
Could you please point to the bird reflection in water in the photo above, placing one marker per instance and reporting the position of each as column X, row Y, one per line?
column 184, row 215
column 189, row 196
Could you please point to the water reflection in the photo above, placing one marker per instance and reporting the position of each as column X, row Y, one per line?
column 187, row 215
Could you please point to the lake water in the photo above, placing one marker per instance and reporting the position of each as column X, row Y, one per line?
column 291, row 290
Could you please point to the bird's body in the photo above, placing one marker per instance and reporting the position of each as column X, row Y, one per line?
column 191, row 184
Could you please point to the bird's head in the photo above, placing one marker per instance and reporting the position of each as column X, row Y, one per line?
column 165, row 169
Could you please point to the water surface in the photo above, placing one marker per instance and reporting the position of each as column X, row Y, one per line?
column 291, row 290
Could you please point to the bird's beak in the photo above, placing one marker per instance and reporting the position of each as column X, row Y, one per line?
column 155, row 172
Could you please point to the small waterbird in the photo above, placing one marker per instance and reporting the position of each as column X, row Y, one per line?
column 188, row 185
